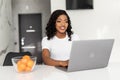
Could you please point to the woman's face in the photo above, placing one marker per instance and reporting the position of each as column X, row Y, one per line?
column 61, row 24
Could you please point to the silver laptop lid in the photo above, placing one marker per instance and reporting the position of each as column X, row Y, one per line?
column 90, row 54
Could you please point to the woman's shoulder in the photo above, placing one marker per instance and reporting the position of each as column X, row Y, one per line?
column 75, row 36
column 44, row 38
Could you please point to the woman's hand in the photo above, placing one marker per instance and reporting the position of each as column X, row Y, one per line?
column 49, row 61
column 64, row 63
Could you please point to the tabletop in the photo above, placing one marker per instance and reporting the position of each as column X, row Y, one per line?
column 44, row 72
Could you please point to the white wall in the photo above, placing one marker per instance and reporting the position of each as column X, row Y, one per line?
column 101, row 22
column 6, row 29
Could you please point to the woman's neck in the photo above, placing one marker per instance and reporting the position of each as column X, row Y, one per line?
column 61, row 35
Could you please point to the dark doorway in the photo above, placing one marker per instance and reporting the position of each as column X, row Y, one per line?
column 30, row 34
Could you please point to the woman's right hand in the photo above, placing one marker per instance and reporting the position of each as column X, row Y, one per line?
column 49, row 61
column 64, row 63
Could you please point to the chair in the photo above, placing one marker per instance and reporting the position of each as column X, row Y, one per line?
column 8, row 62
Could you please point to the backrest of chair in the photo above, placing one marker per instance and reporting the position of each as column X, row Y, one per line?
column 8, row 62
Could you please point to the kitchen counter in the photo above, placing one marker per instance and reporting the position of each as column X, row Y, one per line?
column 44, row 72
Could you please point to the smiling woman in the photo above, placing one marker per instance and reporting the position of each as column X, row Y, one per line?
column 56, row 45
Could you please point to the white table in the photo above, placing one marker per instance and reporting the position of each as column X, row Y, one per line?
column 44, row 72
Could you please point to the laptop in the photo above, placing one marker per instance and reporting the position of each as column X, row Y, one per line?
column 89, row 54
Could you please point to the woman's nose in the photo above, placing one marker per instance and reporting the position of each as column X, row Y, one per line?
column 63, row 23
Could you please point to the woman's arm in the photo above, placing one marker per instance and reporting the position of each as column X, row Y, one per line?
column 47, row 60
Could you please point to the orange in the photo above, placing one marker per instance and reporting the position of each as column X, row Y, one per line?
column 21, row 67
column 19, row 62
column 28, row 69
column 30, row 63
column 18, row 66
column 25, row 64
column 24, row 60
column 26, row 57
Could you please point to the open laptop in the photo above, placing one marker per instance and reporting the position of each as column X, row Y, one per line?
column 89, row 54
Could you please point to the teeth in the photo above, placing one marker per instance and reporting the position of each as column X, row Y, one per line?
column 62, row 28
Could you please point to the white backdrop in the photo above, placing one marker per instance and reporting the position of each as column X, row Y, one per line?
column 100, row 23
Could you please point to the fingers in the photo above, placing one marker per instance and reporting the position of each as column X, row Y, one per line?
column 63, row 63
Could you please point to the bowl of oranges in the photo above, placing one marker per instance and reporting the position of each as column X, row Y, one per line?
column 24, row 63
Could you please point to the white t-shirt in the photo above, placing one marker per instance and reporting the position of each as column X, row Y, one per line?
column 59, row 48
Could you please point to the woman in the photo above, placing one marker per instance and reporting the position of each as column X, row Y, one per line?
column 56, row 45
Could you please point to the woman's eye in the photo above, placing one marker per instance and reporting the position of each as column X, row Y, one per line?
column 58, row 21
column 62, row 21
column 66, row 21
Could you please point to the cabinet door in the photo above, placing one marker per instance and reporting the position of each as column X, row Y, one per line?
column 30, row 34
